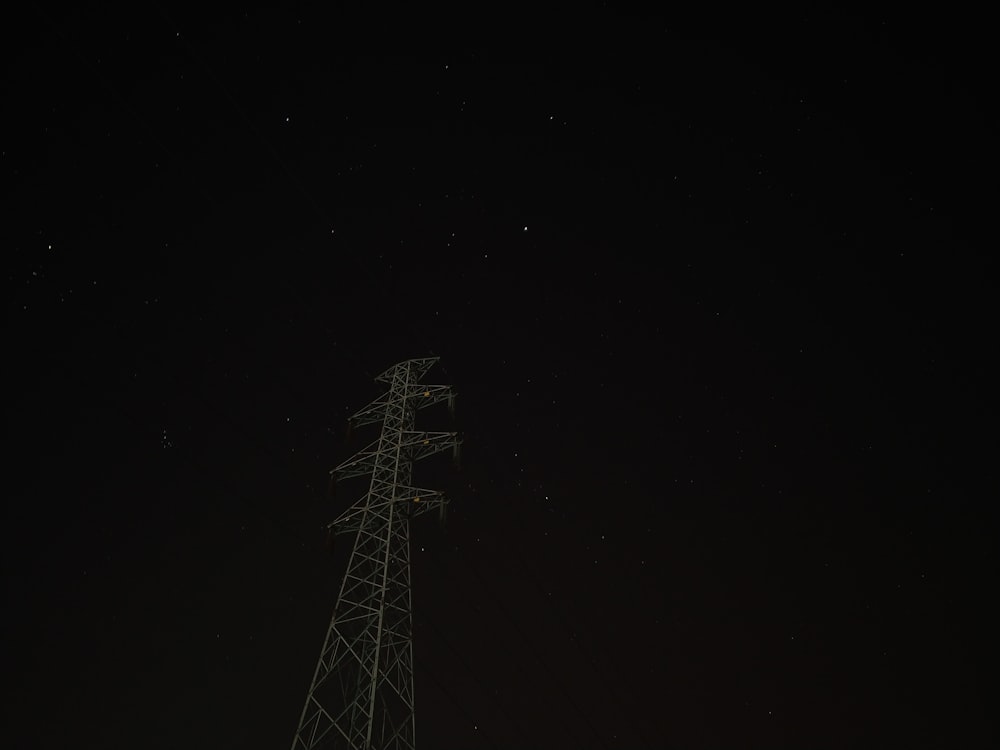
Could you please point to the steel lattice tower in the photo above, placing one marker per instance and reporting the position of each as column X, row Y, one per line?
column 361, row 694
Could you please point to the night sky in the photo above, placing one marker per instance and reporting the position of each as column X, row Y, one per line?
column 714, row 294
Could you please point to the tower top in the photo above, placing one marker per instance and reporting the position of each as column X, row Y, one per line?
column 421, row 366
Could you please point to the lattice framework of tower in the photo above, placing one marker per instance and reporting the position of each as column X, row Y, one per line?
column 361, row 694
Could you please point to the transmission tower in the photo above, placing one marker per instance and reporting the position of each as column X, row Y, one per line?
column 361, row 694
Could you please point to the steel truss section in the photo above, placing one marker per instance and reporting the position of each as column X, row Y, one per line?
column 361, row 694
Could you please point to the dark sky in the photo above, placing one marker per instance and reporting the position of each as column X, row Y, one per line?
column 713, row 293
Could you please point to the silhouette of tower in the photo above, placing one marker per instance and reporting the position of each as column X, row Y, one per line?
column 361, row 694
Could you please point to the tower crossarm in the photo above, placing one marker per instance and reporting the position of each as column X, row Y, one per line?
column 428, row 395
column 416, row 500
column 421, row 396
column 415, row 445
column 419, row 445
column 373, row 412
column 360, row 464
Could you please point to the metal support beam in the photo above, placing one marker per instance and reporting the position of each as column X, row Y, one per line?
column 361, row 694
